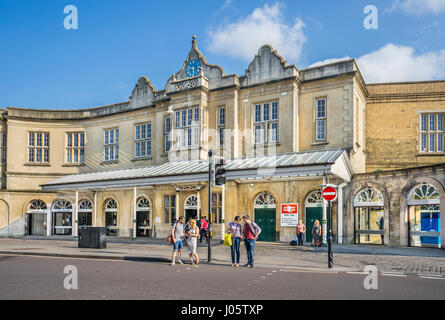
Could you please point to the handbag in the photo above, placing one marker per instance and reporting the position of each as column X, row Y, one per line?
column 169, row 238
column 227, row 240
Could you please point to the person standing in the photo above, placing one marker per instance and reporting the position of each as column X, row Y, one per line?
column 192, row 242
column 251, row 231
column 301, row 229
column 316, row 233
column 203, row 231
column 235, row 231
column 178, row 234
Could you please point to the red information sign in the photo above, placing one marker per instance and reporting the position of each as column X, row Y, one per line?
column 329, row 194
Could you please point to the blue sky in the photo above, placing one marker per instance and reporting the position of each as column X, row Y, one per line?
column 43, row 65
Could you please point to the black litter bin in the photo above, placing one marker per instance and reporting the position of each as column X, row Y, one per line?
column 90, row 237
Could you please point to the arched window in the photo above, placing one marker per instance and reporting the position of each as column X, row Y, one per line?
column 314, row 199
column 424, row 194
column 369, row 220
column 191, row 202
column 265, row 200
column 143, row 204
column 62, row 206
column 111, row 217
column 368, row 197
column 111, row 206
column 37, row 205
column 424, row 216
column 85, row 206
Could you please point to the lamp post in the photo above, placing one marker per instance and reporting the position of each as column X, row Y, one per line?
column 209, row 258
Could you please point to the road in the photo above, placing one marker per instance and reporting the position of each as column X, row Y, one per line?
column 34, row 277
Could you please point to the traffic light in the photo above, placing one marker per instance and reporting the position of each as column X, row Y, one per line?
column 220, row 172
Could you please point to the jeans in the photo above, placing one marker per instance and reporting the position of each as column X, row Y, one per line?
column 300, row 239
column 234, row 249
column 250, row 246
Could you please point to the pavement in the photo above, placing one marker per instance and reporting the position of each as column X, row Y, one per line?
column 267, row 255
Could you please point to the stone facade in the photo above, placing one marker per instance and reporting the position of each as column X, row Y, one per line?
column 377, row 124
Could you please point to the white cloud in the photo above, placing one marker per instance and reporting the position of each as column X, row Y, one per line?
column 394, row 63
column 265, row 25
column 418, row 7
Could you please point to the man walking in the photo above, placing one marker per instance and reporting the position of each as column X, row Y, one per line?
column 251, row 231
column 178, row 233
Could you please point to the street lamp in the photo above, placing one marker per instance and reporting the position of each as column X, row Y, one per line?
column 209, row 251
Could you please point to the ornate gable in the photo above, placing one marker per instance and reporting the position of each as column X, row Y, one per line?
column 213, row 73
column 266, row 66
column 143, row 94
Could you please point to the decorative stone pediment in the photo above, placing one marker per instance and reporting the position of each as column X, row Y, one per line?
column 266, row 66
column 213, row 73
column 143, row 94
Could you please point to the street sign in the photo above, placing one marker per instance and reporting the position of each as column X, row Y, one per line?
column 289, row 214
column 329, row 194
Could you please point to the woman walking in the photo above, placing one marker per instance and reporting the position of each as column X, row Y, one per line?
column 192, row 240
column 316, row 233
column 235, row 231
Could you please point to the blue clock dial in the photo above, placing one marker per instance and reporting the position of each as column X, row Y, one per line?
column 193, row 68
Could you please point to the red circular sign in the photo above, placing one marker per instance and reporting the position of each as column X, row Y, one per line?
column 329, row 194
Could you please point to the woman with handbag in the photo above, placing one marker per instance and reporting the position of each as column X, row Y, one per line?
column 234, row 230
column 316, row 233
column 192, row 242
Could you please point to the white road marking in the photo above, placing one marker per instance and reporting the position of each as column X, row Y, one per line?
column 394, row 275
column 357, row 272
column 433, row 278
column 308, row 271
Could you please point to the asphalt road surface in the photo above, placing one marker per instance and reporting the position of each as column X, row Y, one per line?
column 29, row 277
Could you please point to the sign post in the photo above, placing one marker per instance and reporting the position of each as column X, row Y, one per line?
column 330, row 194
column 289, row 214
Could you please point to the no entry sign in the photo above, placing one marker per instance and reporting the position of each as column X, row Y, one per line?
column 329, row 194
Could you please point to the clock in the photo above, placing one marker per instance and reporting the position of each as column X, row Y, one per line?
column 193, row 68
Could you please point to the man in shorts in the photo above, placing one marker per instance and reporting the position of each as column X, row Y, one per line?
column 178, row 235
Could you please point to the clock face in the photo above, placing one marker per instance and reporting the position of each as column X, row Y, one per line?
column 193, row 68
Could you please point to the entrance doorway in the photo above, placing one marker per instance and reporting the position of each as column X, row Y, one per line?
column 85, row 214
column 191, row 206
column 369, row 219
column 36, row 218
column 143, row 210
column 314, row 211
column 265, row 216
column 424, row 216
column 62, row 218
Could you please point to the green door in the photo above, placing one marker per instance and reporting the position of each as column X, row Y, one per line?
column 190, row 213
column 312, row 214
column 266, row 220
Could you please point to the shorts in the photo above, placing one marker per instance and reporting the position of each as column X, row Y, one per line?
column 178, row 245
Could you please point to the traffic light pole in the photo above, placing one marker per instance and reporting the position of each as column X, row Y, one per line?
column 209, row 251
